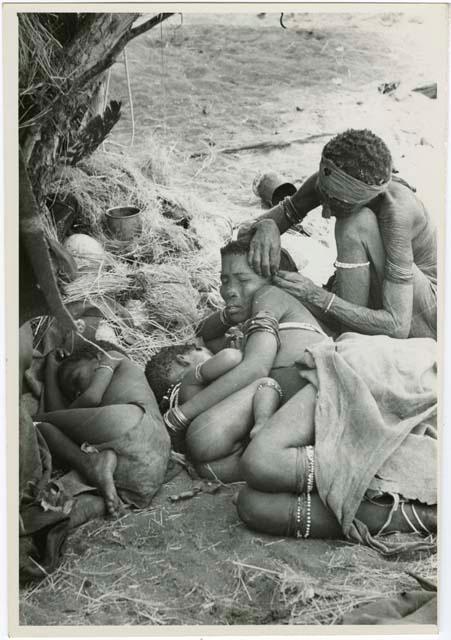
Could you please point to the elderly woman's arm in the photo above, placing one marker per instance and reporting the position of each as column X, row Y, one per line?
column 264, row 233
column 393, row 319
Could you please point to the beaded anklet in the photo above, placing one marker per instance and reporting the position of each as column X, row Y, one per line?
column 273, row 384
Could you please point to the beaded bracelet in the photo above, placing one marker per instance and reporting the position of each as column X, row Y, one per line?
column 308, row 517
column 311, row 467
column 305, row 498
column 299, row 516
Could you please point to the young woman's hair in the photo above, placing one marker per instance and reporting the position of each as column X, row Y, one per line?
column 361, row 154
column 241, row 248
column 235, row 248
column 158, row 367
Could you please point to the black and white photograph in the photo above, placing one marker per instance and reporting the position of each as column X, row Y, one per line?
column 229, row 223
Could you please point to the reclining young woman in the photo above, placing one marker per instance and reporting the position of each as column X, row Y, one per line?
column 277, row 329
column 352, row 454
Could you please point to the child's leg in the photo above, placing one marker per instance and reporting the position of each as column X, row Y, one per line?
column 97, row 424
column 218, row 432
column 276, row 514
column 226, row 469
column 96, row 468
column 271, row 462
column 266, row 401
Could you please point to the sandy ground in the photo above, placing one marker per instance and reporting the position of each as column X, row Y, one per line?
column 201, row 85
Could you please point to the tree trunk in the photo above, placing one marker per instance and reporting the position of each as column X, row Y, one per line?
column 91, row 50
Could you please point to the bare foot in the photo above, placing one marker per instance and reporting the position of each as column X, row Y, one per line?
column 427, row 515
column 99, row 470
column 86, row 507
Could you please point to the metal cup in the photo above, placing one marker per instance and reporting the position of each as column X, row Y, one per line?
column 272, row 188
column 124, row 223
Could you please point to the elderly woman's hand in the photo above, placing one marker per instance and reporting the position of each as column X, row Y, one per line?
column 264, row 251
column 295, row 283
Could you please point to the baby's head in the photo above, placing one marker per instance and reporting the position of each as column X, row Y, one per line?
column 239, row 282
column 170, row 364
column 75, row 373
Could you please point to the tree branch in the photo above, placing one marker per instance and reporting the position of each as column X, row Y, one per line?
column 110, row 57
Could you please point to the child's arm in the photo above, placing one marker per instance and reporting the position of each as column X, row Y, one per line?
column 54, row 399
column 103, row 375
column 220, row 364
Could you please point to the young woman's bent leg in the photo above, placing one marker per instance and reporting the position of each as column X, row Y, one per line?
column 276, row 515
column 271, row 462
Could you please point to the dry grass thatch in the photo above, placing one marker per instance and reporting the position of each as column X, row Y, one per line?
column 167, row 278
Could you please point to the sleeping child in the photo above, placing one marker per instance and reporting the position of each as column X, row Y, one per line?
column 177, row 373
column 103, row 421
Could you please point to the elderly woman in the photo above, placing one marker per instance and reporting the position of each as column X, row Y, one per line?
column 386, row 244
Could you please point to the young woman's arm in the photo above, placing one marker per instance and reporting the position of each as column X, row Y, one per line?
column 259, row 355
column 213, row 326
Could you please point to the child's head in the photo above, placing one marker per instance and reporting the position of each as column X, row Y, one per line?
column 169, row 365
column 239, row 282
column 76, row 371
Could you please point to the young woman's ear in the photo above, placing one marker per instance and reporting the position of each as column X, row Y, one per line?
column 183, row 360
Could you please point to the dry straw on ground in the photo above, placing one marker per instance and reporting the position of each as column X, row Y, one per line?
column 167, row 278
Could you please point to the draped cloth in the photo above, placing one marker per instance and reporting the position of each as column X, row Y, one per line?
column 375, row 424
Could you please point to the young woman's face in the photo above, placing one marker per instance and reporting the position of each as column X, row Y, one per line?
column 239, row 283
column 77, row 377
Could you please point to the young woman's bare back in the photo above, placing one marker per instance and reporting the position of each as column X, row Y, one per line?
column 293, row 342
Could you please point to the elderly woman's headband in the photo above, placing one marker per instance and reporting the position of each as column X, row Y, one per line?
column 336, row 183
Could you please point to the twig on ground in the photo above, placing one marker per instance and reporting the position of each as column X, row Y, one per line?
column 265, row 144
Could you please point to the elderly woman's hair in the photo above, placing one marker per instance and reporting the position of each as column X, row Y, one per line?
column 158, row 367
column 361, row 154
